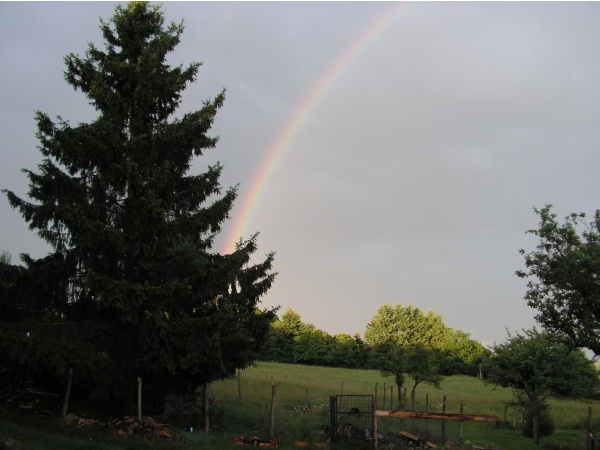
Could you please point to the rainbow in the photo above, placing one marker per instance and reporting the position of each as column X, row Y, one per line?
column 277, row 149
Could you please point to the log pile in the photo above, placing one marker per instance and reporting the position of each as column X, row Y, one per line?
column 148, row 428
column 17, row 390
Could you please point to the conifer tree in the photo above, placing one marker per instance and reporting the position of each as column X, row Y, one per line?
column 132, row 228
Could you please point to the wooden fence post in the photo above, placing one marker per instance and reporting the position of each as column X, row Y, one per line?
column 306, row 402
column 443, row 421
column 139, row 399
column 342, row 389
column 272, row 420
column 376, row 424
column 392, row 396
column 461, row 437
column 67, row 393
column 239, row 386
column 384, row 394
column 590, row 433
column 206, row 408
column 426, row 410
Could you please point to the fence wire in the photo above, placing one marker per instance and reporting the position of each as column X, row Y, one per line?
column 290, row 412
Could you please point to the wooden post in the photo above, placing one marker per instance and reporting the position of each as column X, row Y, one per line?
column 139, row 405
column 392, row 396
column 536, row 427
column 404, row 398
column 272, row 420
column 461, row 437
column 206, row 409
column 384, row 394
column 589, row 445
column 306, row 402
column 342, row 389
column 67, row 393
column 506, row 414
column 443, row 421
column 426, row 410
column 239, row 386
column 375, row 430
column 376, row 423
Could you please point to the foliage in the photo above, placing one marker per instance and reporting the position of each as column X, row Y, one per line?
column 346, row 351
column 536, row 365
column 405, row 326
column 461, row 355
column 564, row 277
column 132, row 287
column 312, row 346
column 5, row 257
column 281, row 337
column 403, row 340
column 421, row 364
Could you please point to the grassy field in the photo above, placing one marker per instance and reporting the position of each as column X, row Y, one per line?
column 302, row 398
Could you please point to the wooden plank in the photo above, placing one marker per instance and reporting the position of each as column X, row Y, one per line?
column 434, row 416
column 412, row 437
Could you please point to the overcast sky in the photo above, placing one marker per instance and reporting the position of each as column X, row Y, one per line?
column 413, row 178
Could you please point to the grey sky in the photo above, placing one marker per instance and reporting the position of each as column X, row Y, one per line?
column 413, row 179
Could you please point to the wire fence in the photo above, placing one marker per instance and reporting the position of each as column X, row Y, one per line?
column 290, row 412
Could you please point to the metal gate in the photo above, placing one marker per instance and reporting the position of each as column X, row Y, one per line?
column 352, row 421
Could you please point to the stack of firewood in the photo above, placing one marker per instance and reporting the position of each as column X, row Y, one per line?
column 148, row 428
column 16, row 389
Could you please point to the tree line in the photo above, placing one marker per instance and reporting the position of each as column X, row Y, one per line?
column 290, row 340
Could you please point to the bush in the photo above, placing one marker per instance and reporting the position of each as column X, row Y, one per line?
column 546, row 423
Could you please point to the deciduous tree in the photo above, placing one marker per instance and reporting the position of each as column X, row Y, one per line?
column 536, row 365
column 564, row 277
column 422, row 365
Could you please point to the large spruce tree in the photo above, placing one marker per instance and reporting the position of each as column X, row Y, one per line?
column 132, row 287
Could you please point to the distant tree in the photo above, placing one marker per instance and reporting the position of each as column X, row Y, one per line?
column 5, row 257
column 564, row 277
column 536, row 365
column 132, row 283
column 405, row 326
column 291, row 322
column 392, row 334
column 390, row 359
column 461, row 354
column 281, row 337
column 422, row 365
column 363, row 361
column 313, row 347
column 346, row 352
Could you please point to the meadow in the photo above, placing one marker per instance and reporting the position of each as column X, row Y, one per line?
column 242, row 407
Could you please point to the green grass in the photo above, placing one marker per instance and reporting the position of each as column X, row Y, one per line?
column 299, row 416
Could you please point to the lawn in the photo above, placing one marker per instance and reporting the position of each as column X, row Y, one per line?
column 302, row 393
